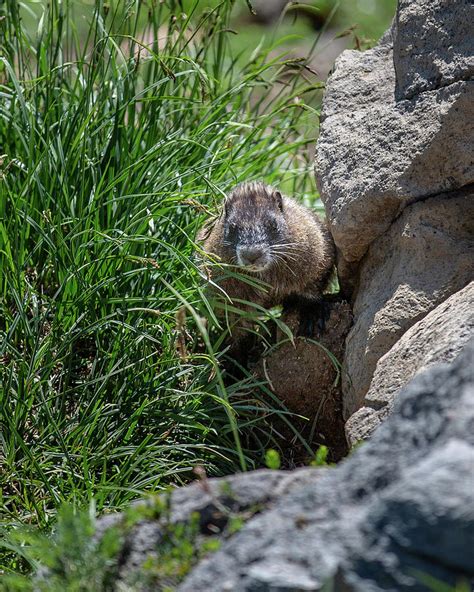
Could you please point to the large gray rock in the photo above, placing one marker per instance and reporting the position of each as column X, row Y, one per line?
column 376, row 519
column 214, row 501
column 426, row 533
column 438, row 337
column 397, row 510
column 376, row 154
column 425, row 257
column 434, row 44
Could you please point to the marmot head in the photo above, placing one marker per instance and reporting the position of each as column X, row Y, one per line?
column 254, row 227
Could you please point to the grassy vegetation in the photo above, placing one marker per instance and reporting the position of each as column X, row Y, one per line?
column 114, row 150
column 74, row 560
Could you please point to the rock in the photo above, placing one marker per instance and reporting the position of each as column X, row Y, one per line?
column 395, row 168
column 276, row 575
column 434, row 45
column 376, row 154
column 425, row 534
column 305, row 376
column 380, row 518
column 425, row 257
column 438, row 337
column 396, row 510
column 363, row 423
column 214, row 501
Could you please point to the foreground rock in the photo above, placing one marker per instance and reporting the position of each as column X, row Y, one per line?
column 216, row 503
column 398, row 510
column 438, row 337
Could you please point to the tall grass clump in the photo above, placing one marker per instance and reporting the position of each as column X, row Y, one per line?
column 121, row 128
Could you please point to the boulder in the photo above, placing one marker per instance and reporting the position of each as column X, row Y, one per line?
column 378, row 151
column 438, row 337
column 426, row 256
column 382, row 520
column 425, row 534
column 396, row 512
column 147, row 526
column 433, row 45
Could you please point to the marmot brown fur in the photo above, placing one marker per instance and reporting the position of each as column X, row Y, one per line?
column 276, row 240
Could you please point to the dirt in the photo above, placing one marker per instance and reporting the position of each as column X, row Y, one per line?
column 306, row 377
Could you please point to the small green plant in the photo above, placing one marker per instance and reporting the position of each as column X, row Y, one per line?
column 320, row 458
column 235, row 524
column 74, row 559
column 436, row 585
column 272, row 459
column 71, row 559
column 181, row 546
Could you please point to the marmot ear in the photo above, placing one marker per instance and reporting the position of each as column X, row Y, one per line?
column 278, row 199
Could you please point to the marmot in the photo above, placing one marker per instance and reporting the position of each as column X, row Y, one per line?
column 278, row 241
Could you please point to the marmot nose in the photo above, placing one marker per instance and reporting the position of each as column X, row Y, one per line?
column 250, row 255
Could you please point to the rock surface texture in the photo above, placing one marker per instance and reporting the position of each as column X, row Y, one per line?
column 434, row 45
column 425, row 256
column 398, row 510
column 378, row 153
column 438, row 337
column 395, row 168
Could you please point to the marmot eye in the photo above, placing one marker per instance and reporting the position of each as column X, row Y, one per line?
column 231, row 230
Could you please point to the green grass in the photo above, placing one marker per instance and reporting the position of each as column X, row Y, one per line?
column 73, row 559
column 110, row 160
